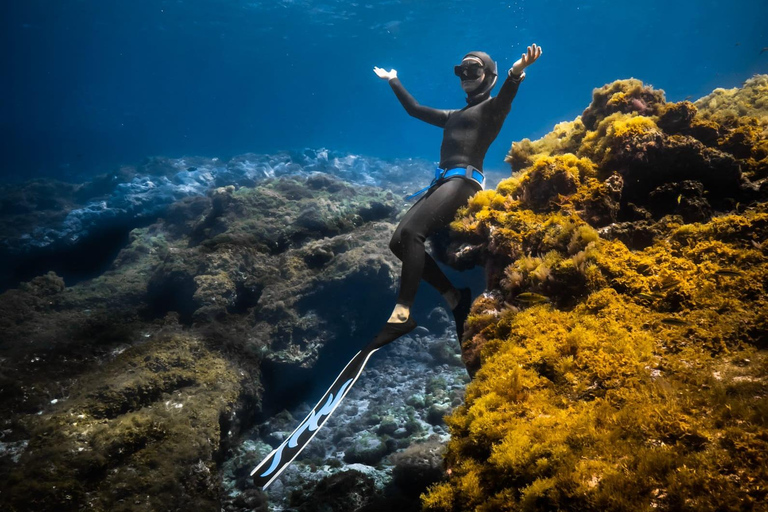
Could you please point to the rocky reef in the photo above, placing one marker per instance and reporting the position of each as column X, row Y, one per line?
column 77, row 228
column 165, row 326
column 131, row 390
column 619, row 353
column 384, row 444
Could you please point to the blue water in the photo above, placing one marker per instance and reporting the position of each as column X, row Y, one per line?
column 88, row 85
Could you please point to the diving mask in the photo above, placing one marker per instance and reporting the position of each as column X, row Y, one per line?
column 468, row 70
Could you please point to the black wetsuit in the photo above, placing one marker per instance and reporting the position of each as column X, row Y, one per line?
column 467, row 135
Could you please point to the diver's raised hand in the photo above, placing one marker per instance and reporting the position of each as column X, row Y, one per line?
column 534, row 52
column 386, row 75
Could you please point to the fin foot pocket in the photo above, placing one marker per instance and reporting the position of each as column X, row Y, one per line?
column 461, row 311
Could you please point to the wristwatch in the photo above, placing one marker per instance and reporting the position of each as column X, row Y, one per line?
column 516, row 78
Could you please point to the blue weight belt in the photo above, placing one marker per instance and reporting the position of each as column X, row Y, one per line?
column 468, row 172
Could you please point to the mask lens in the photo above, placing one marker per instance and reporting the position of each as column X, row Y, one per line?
column 468, row 71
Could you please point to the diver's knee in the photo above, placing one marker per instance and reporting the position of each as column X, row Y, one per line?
column 409, row 235
column 396, row 247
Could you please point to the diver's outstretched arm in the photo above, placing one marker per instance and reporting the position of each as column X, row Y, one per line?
column 515, row 76
column 426, row 114
column 534, row 52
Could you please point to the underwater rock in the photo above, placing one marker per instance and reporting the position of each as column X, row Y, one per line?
column 444, row 354
column 618, row 356
column 347, row 491
column 418, row 466
column 219, row 285
column 366, row 449
column 269, row 263
column 625, row 96
column 145, row 426
column 45, row 213
column 436, row 413
column 601, row 204
column 390, row 402
column 253, row 500
column 31, row 202
column 685, row 198
column 43, row 286
column 647, row 166
column 77, row 229
column 635, row 235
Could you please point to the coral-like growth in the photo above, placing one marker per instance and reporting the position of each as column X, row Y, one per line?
column 619, row 355
column 749, row 100
column 124, row 392
column 652, row 388
column 623, row 96
column 629, row 132
column 566, row 137
column 143, row 430
column 549, row 179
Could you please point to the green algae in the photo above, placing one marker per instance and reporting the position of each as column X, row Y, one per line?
column 140, row 433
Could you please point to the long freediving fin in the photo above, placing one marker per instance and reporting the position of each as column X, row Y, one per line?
column 284, row 454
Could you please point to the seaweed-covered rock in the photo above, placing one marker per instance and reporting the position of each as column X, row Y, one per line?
column 647, row 369
column 347, row 491
column 418, row 467
column 366, row 449
column 623, row 96
column 127, row 390
column 618, row 357
column 632, row 136
column 142, row 430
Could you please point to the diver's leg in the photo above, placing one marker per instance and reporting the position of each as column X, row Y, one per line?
column 436, row 210
column 402, row 313
column 431, row 212
column 432, row 273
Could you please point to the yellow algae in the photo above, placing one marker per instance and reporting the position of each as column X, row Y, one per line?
column 641, row 382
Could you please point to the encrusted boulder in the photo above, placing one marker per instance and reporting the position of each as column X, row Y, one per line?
column 126, row 390
column 618, row 355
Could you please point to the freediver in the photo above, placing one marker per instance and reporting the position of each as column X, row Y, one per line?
column 467, row 134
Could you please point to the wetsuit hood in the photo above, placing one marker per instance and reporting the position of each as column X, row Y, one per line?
column 491, row 75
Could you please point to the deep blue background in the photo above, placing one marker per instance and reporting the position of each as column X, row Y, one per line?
column 91, row 84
